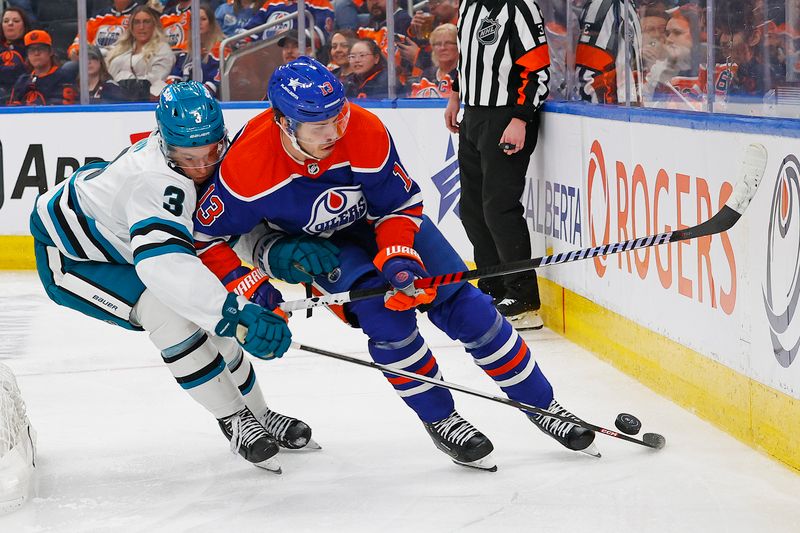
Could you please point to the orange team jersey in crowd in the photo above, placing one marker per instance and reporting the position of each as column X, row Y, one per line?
column 361, row 182
column 380, row 36
column 53, row 88
column 429, row 86
column 105, row 28
column 177, row 25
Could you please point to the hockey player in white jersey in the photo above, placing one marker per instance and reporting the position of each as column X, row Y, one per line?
column 115, row 242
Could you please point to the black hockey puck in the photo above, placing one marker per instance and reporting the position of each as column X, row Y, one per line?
column 628, row 424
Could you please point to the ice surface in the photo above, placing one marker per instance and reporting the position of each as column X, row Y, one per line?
column 123, row 448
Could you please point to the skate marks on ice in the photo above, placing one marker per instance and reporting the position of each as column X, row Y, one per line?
column 124, row 449
column 19, row 302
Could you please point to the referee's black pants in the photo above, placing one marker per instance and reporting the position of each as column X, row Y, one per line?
column 491, row 190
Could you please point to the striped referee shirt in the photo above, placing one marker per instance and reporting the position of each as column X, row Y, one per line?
column 503, row 59
column 600, row 56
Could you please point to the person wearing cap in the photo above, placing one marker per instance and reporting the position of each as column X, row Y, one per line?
column 47, row 83
column 290, row 46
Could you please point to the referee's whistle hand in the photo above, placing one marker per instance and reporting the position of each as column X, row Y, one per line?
column 451, row 113
column 514, row 134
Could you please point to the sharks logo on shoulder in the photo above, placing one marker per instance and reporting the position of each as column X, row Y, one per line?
column 335, row 209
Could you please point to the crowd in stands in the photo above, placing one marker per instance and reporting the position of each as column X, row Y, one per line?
column 139, row 46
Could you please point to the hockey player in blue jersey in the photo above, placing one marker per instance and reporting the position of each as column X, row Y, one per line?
column 317, row 191
column 114, row 242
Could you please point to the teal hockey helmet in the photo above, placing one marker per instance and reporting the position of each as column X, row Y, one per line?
column 189, row 116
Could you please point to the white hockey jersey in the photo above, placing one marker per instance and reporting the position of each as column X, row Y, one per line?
column 138, row 211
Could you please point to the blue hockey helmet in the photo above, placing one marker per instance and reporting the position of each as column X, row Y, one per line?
column 304, row 90
column 188, row 116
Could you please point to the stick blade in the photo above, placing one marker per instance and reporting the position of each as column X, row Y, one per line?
column 751, row 171
column 654, row 440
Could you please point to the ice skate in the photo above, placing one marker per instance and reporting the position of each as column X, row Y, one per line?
column 521, row 314
column 290, row 433
column 568, row 434
column 465, row 445
column 250, row 440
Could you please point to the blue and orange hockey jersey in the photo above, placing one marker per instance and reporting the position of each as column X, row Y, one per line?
column 177, row 25
column 54, row 88
column 105, row 28
column 361, row 182
column 274, row 10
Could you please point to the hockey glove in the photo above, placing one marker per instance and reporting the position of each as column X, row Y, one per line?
column 401, row 265
column 298, row 259
column 262, row 333
column 254, row 285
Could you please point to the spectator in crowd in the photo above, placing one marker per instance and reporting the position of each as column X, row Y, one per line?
column 210, row 37
column 740, row 40
column 346, row 13
column 368, row 78
column 272, row 10
column 654, row 27
column 377, row 16
column 177, row 23
column 14, row 26
column 341, row 42
column 437, row 80
column 102, row 87
column 47, row 83
column 234, row 15
column 141, row 60
column 600, row 55
column 675, row 78
column 441, row 12
column 407, row 51
column 106, row 27
column 290, row 46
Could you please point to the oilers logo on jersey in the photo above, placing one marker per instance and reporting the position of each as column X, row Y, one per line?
column 334, row 209
column 108, row 35
column 278, row 28
column 175, row 35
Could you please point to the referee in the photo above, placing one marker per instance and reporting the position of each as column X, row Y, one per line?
column 502, row 81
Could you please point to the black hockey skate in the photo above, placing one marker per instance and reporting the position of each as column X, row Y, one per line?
column 249, row 438
column 290, row 433
column 460, row 440
column 568, row 434
column 521, row 314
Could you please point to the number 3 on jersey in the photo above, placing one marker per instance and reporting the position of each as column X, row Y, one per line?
column 173, row 200
column 209, row 207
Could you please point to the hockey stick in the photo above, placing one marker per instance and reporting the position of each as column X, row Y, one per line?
column 750, row 173
column 650, row 440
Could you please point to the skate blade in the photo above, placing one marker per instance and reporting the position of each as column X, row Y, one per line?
column 311, row 446
column 484, row 463
column 271, row 465
column 591, row 450
column 526, row 321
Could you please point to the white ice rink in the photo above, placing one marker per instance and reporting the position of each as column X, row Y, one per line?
column 123, row 448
